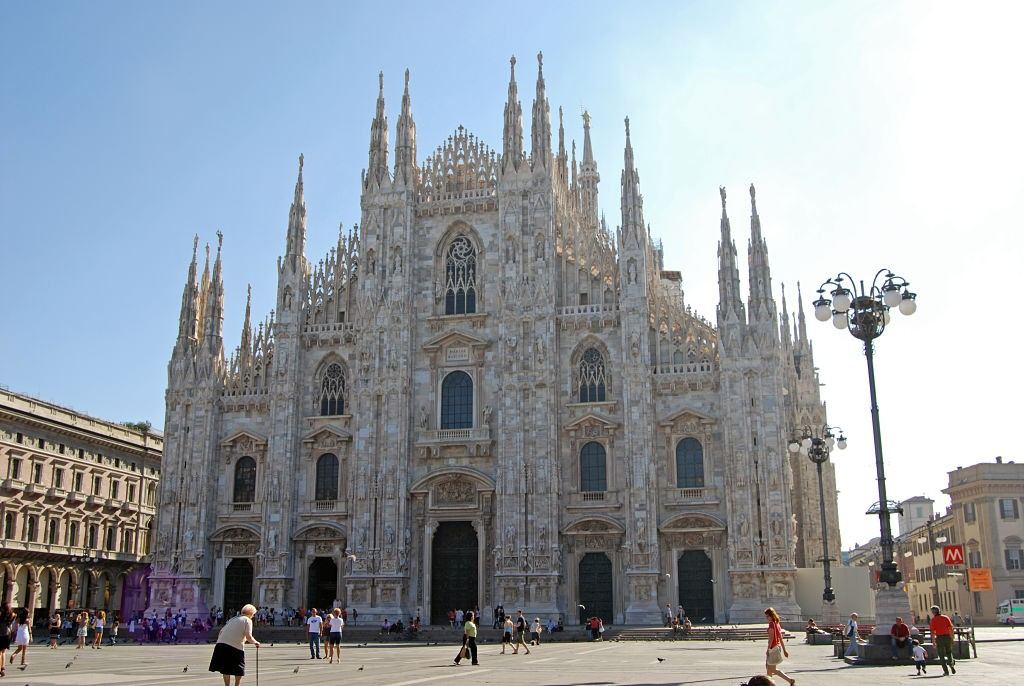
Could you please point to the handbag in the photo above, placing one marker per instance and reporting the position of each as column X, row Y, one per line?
column 464, row 653
column 775, row 655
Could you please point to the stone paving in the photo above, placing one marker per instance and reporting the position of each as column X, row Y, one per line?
column 562, row 664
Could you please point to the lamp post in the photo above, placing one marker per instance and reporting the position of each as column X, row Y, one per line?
column 816, row 443
column 85, row 561
column 864, row 312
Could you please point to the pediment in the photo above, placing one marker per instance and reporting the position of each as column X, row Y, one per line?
column 687, row 415
column 452, row 338
column 692, row 522
column 320, row 531
column 595, row 525
column 245, row 437
column 592, row 418
column 235, row 533
column 328, row 431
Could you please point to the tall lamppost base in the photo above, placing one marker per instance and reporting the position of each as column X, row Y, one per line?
column 890, row 602
column 829, row 613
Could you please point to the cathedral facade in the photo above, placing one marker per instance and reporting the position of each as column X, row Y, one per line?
column 483, row 396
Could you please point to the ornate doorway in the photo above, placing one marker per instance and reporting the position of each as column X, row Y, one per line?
column 322, row 584
column 454, row 570
column 595, row 586
column 237, row 585
column 696, row 588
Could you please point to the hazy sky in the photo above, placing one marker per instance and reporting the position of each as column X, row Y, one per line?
column 878, row 134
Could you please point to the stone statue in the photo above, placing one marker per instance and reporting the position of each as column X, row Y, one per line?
column 423, row 418
column 275, row 487
column 389, row 535
column 272, row 539
column 542, row 537
column 721, row 192
column 487, row 414
column 187, row 538
column 743, row 527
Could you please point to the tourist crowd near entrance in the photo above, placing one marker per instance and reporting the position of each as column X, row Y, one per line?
column 485, row 395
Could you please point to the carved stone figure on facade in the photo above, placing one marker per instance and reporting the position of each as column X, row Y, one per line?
column 634, row 344
column 389, row 535
column 540, row 351
column 187, row 540
column 423, row 418
column 743, row 527
column 487, row 415
column 275, row 487
column 542, row 537
column 272, row 540
column 362, row 539
column 641, row 530
column 631, row 271
column 510, row 539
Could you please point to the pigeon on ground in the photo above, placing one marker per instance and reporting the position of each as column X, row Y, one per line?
column 186, row 669
column 360, row 668
column 68, row 665
column 661, row 659
column 296, row 670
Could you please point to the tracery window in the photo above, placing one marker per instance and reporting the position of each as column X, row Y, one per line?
column 332, row 391
column 326, row 477
column 245, row 480
column 593, row 470
column 689, row 464
column 457, row 401
column 592, row 377
column 460, row 277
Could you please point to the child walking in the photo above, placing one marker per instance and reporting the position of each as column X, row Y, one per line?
column 920, row 658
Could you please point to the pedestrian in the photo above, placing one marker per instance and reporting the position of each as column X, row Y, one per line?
column 468, row 648
column 229, row 653
column 920, row 658
column 521, row 627
column 506, row 633
column 355, row 616
column 942, row 634
column 451, row 619
column 852, row 632
column 336, row 624
column 22, row 637
column 54, row 630
column 314, row 624
column 113, row 631
column 776, row 651
column 6, row 627
column 958, row 621
column 758, row 680
column 97, row 625
column 536, row 631
column 460, row 618
column 82, row 631
column 600, row 629
column 899, row 636
column 669, row 619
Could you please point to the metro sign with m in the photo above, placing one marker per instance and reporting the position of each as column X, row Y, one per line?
column 953, row 555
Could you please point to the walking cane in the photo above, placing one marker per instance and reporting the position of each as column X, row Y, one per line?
column 257, row 666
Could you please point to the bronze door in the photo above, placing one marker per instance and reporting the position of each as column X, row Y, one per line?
column 696, row 589
column 596, row 587
column 322, row 584
column 237, row 586
column 454, row 581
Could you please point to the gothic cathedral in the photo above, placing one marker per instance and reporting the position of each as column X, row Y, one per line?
column 485, row 396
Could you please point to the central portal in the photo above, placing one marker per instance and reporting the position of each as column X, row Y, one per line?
column 322, row 584
column 454, row 573
column 696, row 587
column 595, row 587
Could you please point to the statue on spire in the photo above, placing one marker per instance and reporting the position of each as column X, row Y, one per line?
column 721, row 192
column 753, row 200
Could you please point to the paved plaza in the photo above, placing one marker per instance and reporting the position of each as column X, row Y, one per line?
column 563, row 664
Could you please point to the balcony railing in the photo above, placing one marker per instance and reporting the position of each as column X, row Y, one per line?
column 477, row 434
column 325, row 505
column 705, row 367
column 703, row 494
column 593, row 308
column 589, row 500
column 593, row 496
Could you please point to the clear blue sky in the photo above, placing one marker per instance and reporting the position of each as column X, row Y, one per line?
column 878, row 133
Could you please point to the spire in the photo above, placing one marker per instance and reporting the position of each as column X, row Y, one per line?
column 405, row 141
column 589, row 178
column 188, row 322
column 204, row 292
column 296, row 243
column 540, row 130
column 729, row 303
column 214, row 320
column 787, row 339
column 377, row 167
column 245, row 342
column 562, row 158
column 632, row 202
column 512, row 136
column 761, row 304
column 801, row 322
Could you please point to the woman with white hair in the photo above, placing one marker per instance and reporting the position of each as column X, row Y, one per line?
column 229, row 653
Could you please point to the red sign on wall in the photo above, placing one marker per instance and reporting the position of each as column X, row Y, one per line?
column 953, row 554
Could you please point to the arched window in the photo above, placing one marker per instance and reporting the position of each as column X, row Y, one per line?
column 30, row 529
column 689, row 464
column 457, row 401
column 9, row 525
column 593, row 472
column 51, row 532
column 73, row 534
column 93, row 535
column 332, row 391
column 592, row 377
column 109, row 542
column 245, row 480
column 327, row 477
column 460, row 277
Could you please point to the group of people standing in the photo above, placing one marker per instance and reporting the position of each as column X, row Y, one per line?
column 14, row 628
column 326, row 629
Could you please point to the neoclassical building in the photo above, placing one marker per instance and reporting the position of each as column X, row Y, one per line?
column 484, row 395
column 77, row 500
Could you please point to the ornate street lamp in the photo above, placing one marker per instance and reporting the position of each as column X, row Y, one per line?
column 816, row 443
column 864, row 312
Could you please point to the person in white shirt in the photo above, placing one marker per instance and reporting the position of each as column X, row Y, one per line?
column 314, row 623
column 334, row 638
column 920, row 658
column 229, row 653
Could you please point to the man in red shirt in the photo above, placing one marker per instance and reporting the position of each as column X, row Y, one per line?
column 900, row 635
column 942, row 634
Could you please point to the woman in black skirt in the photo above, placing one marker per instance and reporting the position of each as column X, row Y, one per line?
column 229, row 653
